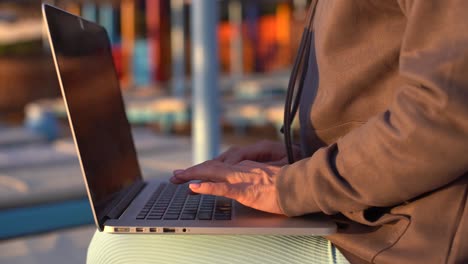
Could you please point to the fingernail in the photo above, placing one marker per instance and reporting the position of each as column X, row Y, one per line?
column 176, row 172
column 194, row 185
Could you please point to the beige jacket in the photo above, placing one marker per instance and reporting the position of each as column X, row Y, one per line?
column 384, row 117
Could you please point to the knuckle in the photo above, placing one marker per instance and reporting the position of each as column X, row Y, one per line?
column 257, row 170
column 210, row 164
column 234, row 178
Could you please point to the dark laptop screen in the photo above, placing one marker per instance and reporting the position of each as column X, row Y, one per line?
column 95, row 106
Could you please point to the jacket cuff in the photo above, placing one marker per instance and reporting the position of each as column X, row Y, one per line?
column 294, row 190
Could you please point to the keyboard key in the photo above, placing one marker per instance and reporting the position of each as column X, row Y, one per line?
column 187, row 216
column 204, row 216
column 156, row 215
column 171, row 217
column 223, row 203
column 222, row 216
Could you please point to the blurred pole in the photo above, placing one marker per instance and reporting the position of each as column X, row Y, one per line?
column 205, row 70
column 178, row 47
column 283, row 32
column 252, row 16
column 300, row 8
column 237, row 53
column 128, row 39
column 300, row 4
column 89, row 12
column 153, row 27
column 107, row 20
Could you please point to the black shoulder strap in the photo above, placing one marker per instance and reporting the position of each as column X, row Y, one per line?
column 300, row 62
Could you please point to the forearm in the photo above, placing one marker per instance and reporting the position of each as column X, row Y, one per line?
column 377, row 164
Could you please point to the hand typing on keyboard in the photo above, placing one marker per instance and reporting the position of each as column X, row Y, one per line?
column 250, row 183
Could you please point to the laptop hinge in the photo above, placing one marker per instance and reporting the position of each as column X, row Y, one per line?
column 120, row 207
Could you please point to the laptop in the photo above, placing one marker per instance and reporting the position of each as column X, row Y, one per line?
column 121, row 200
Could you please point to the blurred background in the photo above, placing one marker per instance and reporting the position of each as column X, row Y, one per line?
column 151, row 40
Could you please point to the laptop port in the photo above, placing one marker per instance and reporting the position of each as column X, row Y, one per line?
column 121, row 229
column 168, row 230
column 153, row 230
column 139, row 229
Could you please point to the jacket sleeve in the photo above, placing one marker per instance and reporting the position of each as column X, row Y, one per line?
column 419, row 144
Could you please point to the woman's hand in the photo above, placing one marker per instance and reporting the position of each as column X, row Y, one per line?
column 248, row 182
column 273, row 153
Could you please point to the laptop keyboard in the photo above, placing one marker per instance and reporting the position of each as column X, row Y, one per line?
column 174, row 202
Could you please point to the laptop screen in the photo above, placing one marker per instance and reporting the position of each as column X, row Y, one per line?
column 95, row 107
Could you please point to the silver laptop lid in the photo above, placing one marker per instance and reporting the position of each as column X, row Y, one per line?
column 95, row 108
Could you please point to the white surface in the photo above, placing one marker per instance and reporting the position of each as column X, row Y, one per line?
column 63, row 246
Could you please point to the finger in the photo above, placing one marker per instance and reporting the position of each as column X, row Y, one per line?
column 281, row 162
column 225, row 154
column 235, row 157
column 218, row 189
column 213, row 171
column 253, row 152
column 248, row 164
column 190, row 192
column 176, row 180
